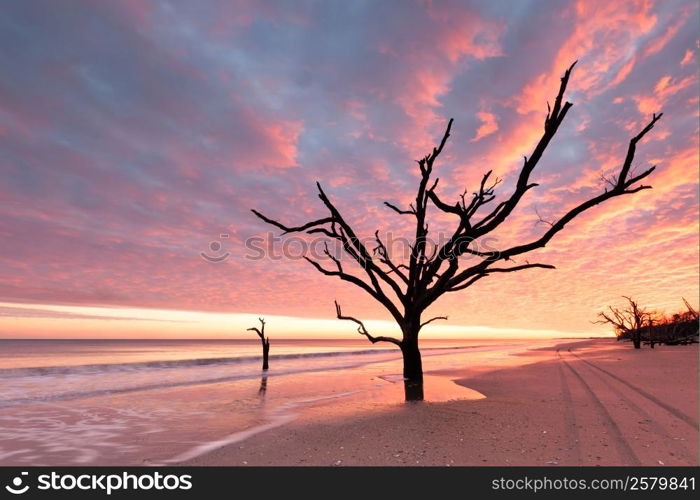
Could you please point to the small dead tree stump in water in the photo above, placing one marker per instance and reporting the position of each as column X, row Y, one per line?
column 265, row 341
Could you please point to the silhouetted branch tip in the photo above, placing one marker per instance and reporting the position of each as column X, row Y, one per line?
column 261, row 330
column 433, row 319
column 540, row 219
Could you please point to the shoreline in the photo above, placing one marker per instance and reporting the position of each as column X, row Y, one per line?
column 587, row 402
column 153, row 414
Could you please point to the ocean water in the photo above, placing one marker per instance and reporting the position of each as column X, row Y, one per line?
column 133, row 402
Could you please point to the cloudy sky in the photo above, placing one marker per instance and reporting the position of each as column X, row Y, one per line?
column 137, row 135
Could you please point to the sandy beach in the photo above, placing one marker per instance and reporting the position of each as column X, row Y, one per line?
column 594, row 402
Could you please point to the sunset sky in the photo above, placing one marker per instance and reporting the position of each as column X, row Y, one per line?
column 134, row 134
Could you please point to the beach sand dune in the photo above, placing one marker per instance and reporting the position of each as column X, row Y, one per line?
column 583, row 403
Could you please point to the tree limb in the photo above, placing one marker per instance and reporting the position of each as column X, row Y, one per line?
column 399, row 211
column 432, row 319
column 455, row 285
column 359, row 253
column 261, row 333
column 288, row 229
column 362, row 330
column 384, row 258
column 554, row 118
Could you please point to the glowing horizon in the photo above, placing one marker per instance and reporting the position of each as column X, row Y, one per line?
column 82, row 322
column 137, row 136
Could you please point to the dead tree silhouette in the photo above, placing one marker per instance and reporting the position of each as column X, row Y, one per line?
column 629, row 319
column 406, row 290
column 264, row 340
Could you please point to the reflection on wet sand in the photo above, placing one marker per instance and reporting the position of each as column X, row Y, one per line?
column 435, row 389
column 263, row 385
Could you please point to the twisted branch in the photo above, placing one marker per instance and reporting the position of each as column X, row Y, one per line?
column 361, row 328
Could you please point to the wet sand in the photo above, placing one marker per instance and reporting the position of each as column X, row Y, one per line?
column 595, row 402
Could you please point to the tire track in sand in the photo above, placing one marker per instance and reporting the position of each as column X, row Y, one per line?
column 673, row 411
column 627, row 455
column 569, row 414
column 645, row 424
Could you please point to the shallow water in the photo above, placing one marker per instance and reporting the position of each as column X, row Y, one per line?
column 151, row 402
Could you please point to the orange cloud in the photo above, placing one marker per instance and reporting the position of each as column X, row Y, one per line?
column 679, row 167
column 604, row 35
column 488, row 125
column 666, row 87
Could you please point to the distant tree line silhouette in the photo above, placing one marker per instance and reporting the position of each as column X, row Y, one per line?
column 641, row 325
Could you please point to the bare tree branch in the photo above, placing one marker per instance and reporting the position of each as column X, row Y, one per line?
column 260, row 332
column 345, row 277
column 517, row 268
column 488, row 270
column 418, row 258
column 297, row 229
column 467, row 283
column 342, row 232
column 396, row 209
column 452, row 209
column 542, row 220
column 254, row 329
column 384, row 258
column 359, row 252
column 622, row 178
column 362, row 330
column 432, row 319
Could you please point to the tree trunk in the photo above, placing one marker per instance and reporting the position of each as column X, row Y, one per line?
column 266, row 350
column 637, row 340
column 412, row 369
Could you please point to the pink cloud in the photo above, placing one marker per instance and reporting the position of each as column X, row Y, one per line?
column 687, row 57
column 465, row 33
column 622, row 73
column 488, row 125
column 658, row 43
column 428, row 52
